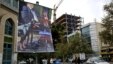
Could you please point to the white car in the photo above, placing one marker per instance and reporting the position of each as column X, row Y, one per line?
column 96, row 60
column 22, row 62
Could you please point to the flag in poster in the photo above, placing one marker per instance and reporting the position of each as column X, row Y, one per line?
column 34, row 33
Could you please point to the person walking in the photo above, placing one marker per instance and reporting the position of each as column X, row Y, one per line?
column 78, row 60
column 75, row 60
column 44, row 61
column 51, row 61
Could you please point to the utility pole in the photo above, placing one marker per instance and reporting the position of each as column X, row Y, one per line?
column 55, row 9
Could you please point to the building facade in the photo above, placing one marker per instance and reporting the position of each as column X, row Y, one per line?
column 72, row 23
column 8, row 31
column 91, row 33
column 107, row 51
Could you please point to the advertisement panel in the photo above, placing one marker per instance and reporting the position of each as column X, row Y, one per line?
column 34, row 33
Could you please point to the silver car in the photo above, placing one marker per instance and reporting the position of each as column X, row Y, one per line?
column 96, row 60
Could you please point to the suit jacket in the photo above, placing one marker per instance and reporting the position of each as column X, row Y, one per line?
column 26, row 15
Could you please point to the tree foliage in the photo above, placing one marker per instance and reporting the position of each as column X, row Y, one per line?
column 79, row 44
column 62, row 49
column 57, row 33
column 106, row 35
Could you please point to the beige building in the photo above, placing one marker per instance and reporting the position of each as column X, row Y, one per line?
column 91, row 33
column 8, row 31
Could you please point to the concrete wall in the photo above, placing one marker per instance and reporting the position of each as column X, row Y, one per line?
column 95, row 28
column 4, row 15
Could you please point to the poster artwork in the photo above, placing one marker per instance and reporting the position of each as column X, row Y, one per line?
column 34, row 33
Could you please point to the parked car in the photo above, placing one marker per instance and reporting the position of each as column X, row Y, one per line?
column 22, row 62
column 96, row 60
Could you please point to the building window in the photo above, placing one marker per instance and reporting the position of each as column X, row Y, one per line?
column 7, row 54
column 86, row 33
column 15, row 3
column 7, row 1
column 8, row 45
column 8, row 27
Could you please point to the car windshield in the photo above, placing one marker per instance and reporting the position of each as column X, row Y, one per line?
column 99, row 60
column 96, row 59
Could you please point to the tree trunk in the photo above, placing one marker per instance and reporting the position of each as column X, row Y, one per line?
column 63, row 60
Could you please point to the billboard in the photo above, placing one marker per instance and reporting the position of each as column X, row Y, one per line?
column 34, row 33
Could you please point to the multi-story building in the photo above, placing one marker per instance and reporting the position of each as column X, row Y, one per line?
column 91, row 33
column 107, row 51
column 72, row 23
column 8, row 31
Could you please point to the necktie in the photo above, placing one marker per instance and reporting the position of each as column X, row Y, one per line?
column 34, row 15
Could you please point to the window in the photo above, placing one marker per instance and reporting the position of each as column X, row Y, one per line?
column 8, row 45
column 15, row 3
column 7, row 54
column 86, row 33
column 7, row 1
column 8, row 27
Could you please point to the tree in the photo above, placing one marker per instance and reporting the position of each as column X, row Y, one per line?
column 106, row 36
column 79, row 44
column 57, row 33
column 58, row 38
column 76, row 44
column 62, row 51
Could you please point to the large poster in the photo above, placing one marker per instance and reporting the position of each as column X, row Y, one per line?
column 34, row 33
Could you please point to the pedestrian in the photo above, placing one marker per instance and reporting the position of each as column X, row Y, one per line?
column 44, row 61
column 58, row 61
column 75, row 60
column 70, row 60
column 27, row 61
column 78, row 60
column 51, row 61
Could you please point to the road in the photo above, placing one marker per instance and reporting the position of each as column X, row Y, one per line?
column 84, row 63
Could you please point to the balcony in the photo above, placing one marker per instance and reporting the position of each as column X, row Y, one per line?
column 11, row 4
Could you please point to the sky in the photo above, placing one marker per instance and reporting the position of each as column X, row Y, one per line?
column 87, row 9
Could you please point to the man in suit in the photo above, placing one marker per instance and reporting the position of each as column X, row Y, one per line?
column 28, row 18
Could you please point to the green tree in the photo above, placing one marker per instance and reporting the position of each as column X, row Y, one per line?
column 61, row 46
column 106, row 36
column 62, row 51
column 76, row 43
column 79, row 44
column 57, row 33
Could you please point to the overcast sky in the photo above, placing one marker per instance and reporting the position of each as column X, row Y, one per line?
column 88, row 9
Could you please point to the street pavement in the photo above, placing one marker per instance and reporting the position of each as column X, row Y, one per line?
column 83, row 63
